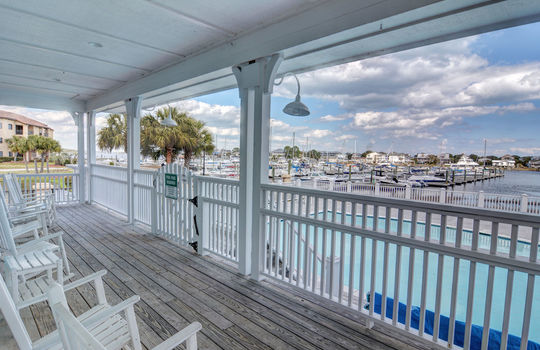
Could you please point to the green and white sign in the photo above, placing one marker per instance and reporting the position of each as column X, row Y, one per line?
column 171, row 186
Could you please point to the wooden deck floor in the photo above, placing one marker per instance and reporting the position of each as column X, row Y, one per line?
column 178, row 287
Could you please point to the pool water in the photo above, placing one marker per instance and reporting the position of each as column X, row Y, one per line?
column 499, row 287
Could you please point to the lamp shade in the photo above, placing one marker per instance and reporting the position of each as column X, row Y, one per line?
column 296, row 108
column 169, row 120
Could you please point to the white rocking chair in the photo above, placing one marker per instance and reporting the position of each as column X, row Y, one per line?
column 30, row 259
column 107, row 330
column 20, row 201
column 37, row 292
column 101, row 327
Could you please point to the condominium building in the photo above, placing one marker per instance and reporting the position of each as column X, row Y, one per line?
column 12, row 124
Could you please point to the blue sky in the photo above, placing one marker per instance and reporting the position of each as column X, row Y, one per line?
column 446, row 97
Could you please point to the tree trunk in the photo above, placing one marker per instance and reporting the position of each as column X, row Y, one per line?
column 47, row 159
column 187, row 159
column 26, row 155
column 35, row 164
column 14, row 156
column 42, row 160
column 169, row 156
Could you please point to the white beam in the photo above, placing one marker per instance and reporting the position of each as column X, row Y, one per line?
column 13, row 97
column 133, row 109
column 90, row 148
column 255, row 83
column 325, row 19
column 78, row 117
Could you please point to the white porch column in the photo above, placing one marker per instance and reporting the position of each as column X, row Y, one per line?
column 78, row 117
column 133, row 109
column 90, row 149
column 255, row 84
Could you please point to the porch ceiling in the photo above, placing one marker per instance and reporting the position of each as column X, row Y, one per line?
column 81, row 55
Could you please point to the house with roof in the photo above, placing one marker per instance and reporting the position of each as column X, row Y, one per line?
column 13, row 124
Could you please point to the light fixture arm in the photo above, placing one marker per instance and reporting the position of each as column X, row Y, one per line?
column 296, row 108
column 295, row 77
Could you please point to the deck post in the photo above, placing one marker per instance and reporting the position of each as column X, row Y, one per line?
column 90, row 149
column 133, row 109
column 78, row 117
column 255, row 85
column 524, row 203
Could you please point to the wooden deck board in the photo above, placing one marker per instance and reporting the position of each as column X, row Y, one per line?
column 177, row 287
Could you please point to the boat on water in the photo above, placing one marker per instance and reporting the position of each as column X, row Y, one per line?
column 429, row 180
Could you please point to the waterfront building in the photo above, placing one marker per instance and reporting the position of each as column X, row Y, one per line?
column 506, row 161
column 13, row 124
column 399, row 158
column 534, row 163
column 444, row 158
column 422, row 158
column 376, row 158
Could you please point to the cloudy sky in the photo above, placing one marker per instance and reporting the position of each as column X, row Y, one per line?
column 446, row 97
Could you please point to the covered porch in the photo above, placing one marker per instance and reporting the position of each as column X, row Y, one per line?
column 178, row 287
column 277, row 266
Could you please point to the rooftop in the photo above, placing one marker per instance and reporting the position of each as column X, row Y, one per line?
column 22, row 119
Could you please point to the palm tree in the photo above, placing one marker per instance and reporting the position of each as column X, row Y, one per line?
column 52, row 146
column 41, row 146
column 157, row 140
column 18, row 145
column 32, row 143
column 114, row 134
column 205, row 145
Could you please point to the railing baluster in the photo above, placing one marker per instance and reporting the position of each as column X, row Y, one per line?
column 411, row 272
column 425, row 267
column 440, row 269
column 395, row 309
column 373, row 276
column 509, row 289
column 489, row 290
column 470, row 294
column 455, row 279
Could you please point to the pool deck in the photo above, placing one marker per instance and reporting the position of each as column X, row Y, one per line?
column 178, row 287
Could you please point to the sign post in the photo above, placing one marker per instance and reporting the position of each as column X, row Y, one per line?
column 171, row 186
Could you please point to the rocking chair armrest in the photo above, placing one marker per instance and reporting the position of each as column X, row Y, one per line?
column 180, row 337
column 28, row 213
column 29, row 226
column 111, row 311
column 42, row 238
column 87, row 279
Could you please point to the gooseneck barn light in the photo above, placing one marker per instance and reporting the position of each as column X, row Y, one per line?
column 295, row 108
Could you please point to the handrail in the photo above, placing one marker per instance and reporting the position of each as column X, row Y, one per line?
column 449, row 209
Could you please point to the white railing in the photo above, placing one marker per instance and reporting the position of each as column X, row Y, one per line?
column 174, row 217
column 109, row 187
column 220, row 203
column 216, row 212
column 143, row 187
column 63, row 185
column 508, row 203
column 430, row 265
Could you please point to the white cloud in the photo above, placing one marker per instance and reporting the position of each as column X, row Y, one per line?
column 334, row 118
column 526, row 150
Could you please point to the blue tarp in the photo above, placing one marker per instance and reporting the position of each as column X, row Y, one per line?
column 494, row 342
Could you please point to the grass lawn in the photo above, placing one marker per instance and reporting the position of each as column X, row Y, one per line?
column 19, row 168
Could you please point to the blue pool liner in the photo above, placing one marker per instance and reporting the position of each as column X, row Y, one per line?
column 494, row 342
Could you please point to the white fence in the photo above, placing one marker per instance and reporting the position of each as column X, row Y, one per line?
column 421, row 262
column 216, row 212
column 109, row 187
column 220, row 202
column 63, row 185
column 472, row 266
column 501, row 202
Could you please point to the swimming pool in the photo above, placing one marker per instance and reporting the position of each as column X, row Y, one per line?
column 500, row 275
